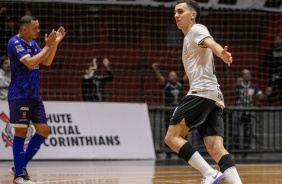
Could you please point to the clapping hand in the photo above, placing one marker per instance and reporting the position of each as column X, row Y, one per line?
column 61, row 33
column 51, row 39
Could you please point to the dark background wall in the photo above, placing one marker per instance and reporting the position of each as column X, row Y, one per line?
column 134, row 37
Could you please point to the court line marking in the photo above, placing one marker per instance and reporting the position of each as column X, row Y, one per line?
column 99, row 179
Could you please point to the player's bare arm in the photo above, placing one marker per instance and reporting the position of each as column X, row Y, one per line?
column 31, row 62
column 60, row 34
column 158, row 73
column 218, row 50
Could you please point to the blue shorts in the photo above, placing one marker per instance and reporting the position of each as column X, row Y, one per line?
column 24, row 110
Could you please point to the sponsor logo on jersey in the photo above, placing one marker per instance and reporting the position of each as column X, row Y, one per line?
column 19, row 48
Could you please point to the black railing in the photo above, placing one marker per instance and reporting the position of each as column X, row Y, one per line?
column 248, row 129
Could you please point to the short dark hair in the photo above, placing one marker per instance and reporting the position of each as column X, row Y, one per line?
column 26, row 20
column 194, row 5
column 242, row 72
column 2, row 59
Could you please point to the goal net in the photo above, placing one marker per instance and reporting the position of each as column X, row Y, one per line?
column 135, row 34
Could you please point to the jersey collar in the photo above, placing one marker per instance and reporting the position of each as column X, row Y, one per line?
column 24, row 41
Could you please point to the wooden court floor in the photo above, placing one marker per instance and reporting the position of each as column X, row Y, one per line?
column 133, row 173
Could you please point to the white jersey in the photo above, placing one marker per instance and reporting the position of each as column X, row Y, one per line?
column 199, row 65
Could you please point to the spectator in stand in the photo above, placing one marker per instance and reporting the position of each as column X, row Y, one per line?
column 246, row 94
column 2, row 17
column 92, row 84
column 273, row 62
column 28, row 12
column 5, row 77
column 172, row 92
column 7, row 30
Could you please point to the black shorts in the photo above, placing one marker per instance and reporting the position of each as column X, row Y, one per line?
column 199, row 113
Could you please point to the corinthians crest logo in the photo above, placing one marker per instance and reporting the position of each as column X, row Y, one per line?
column 8, row 135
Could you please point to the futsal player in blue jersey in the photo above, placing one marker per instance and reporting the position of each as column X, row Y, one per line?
column 23, row 95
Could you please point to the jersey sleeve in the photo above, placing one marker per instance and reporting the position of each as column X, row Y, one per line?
column 200, row 33
column 19, row 51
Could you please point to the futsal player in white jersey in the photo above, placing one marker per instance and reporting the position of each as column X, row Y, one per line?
column 202, row 107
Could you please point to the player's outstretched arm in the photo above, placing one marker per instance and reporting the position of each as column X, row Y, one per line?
column 31, row 62
column 218, row 50
column 60, row 34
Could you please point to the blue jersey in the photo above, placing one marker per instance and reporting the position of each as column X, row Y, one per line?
column 24, row 81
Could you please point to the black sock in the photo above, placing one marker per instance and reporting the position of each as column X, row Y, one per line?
column 187, row 151
column 226, row 162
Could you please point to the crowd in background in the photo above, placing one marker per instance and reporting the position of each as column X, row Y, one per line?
column 245, row 92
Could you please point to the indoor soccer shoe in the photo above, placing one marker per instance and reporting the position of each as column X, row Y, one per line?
column 22, row 179
column 12, row 171
column 216, row 178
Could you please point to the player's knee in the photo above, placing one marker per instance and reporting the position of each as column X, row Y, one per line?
column 46, row 132
column 168, row 140
column 21, row 132
column 43, row 130
column 213, row 148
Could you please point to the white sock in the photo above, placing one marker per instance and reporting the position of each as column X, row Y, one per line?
column 232, row 176
column 198, row 162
